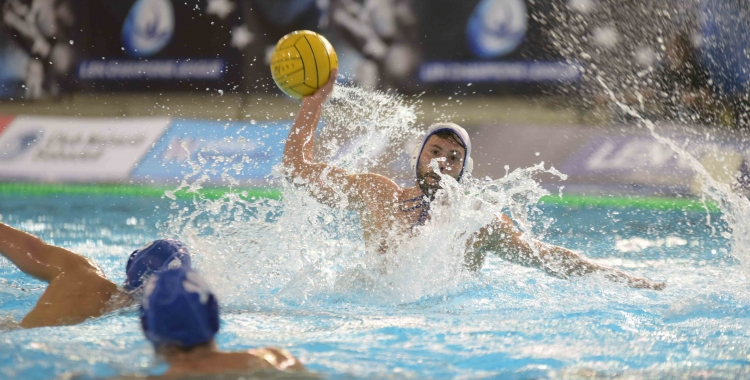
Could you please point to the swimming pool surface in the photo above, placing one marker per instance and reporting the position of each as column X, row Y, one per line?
column 506, row 322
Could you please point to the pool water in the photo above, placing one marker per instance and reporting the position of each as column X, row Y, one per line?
column 506, row 321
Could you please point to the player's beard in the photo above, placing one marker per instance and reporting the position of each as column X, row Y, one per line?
column 429, row 189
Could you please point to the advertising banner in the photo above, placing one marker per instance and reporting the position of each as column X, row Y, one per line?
column 641, row 163
column 376, row 41
column 625, row 157
column 162, row 44
column 415, row 45
column 75, row 149
column 219, row 152
column 489, row 42
column 4, row 122
column 57, row 46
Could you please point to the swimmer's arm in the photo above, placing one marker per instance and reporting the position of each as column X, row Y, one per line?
column 35, row 257
column 506, row 240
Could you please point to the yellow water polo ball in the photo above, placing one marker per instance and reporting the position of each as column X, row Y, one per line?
column 302, row 63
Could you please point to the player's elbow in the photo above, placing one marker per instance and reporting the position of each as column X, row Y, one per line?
column 287, row 162
column 38, row 260
column 295, row 171
column 291, row 166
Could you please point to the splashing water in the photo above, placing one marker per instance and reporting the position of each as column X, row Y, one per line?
column 365, row 130
column 266, row 253
column 644, row 70
column 735, row 208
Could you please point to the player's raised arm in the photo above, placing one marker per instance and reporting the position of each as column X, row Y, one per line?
column 298, row 151
column 36, row 258
column 329, row 184
column 506, row 240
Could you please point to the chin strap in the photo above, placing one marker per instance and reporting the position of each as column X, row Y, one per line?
column 423, row 204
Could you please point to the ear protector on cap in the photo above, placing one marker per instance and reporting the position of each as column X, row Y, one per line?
column 440, row 127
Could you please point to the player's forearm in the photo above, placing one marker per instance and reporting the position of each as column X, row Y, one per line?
column 25, row 251
column 555, row 260
column 568, row 263
column 300, row 142
column 503, row 238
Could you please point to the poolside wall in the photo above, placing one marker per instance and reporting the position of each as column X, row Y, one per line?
column 160, row 150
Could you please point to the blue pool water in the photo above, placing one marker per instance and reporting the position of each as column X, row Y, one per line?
column 507, row 321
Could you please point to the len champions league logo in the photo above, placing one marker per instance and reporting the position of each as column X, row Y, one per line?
column 148, row 27
column 19, row 144
column 496, row 27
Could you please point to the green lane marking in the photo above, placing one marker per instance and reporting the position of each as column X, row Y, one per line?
column 619, row 201
column 36, row 189
column 124, row 190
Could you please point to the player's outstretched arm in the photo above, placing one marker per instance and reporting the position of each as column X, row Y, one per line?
column 36, row 258
column 331, row 185
column 506, row 240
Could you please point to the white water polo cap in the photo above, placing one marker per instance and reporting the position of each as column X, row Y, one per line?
column 468, row 163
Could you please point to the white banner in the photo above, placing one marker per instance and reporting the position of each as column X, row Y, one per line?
column 76, row 149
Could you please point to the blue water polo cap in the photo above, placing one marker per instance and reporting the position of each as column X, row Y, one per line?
column 153, row 257
column 179, row 309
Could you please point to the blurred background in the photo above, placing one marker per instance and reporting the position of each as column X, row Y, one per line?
column 132, row 92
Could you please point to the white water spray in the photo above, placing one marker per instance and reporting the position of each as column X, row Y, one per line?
column 735, row 208
column 260, row 253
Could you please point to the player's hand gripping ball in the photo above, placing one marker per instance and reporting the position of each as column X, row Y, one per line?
column 302, row 63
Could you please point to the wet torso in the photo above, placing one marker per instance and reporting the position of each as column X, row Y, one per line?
column 387, row 219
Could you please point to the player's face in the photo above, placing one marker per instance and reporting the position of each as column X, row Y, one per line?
column 449, row 155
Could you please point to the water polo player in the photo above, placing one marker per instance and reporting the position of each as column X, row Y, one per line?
column 388, row 210
column 77, row 288
column 180, row 317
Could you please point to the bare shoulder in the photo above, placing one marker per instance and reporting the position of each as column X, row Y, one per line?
column 376, row 185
